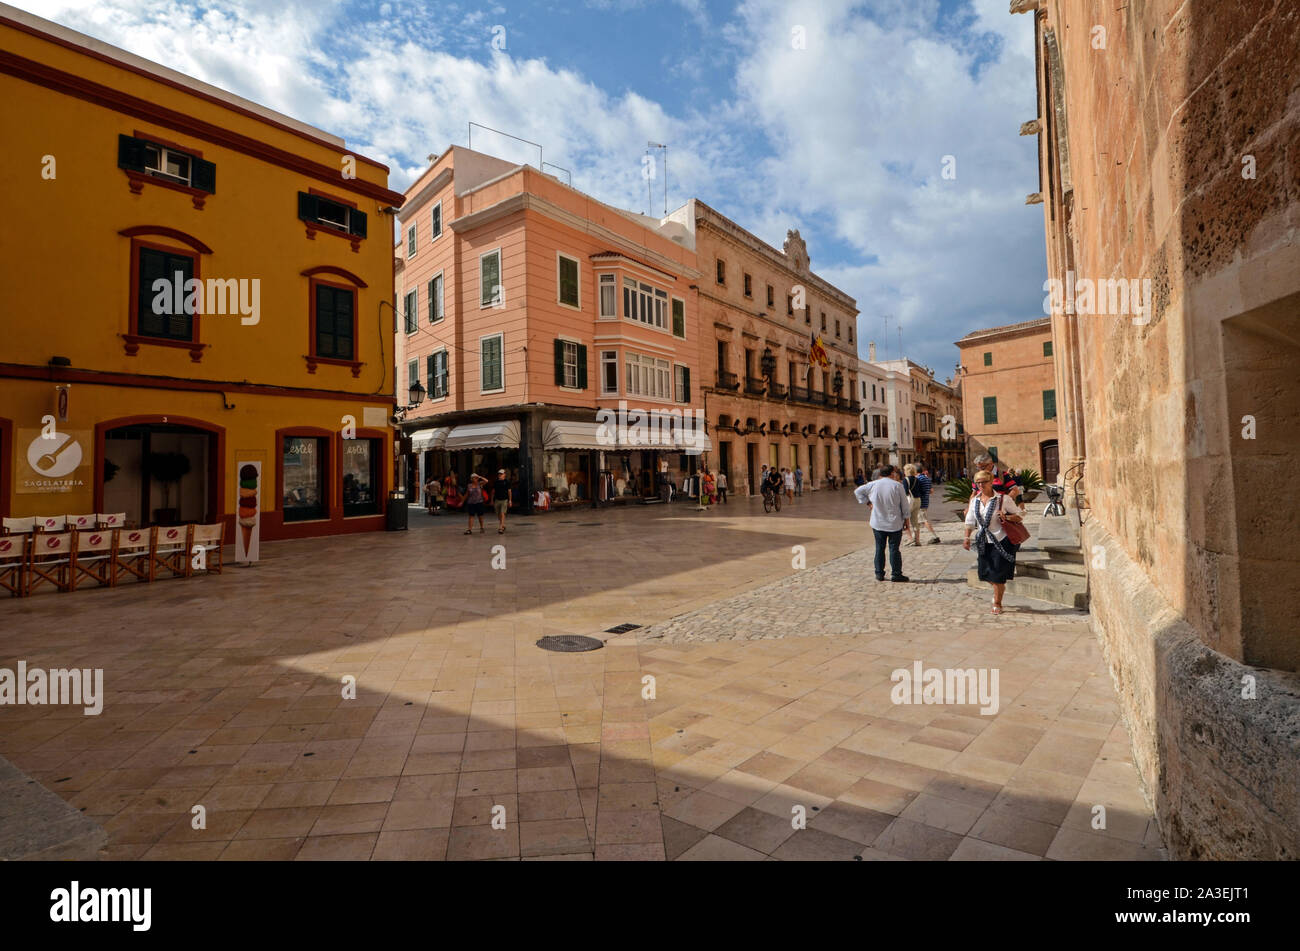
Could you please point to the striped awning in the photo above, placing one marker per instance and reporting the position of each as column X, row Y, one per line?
column 430, row 439
column 572, row 434
column 496, row 435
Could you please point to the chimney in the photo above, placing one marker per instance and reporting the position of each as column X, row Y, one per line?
column 871, row 352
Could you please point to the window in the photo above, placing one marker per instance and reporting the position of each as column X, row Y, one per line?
column 645, row 304
column 990, row 410
column 661, row 309
column 491, row 293
column 988, row 359
column 682, row 383
column 648, row 376
column 837, row 328
column 435, row 222
column 823, row 320
column 157, row 313
column 771, row 295
column 335, row 310
column 412, row 375
column 361, row 476
column 410, row 241
column 167, row 163
column 436, row 313
column 570, row 364
column 491, row 371
column 302, row 468
column 679, row 318
column 850, row 335
column 332, row 215
column 749, row 287
column 437, row 375
column 608, row 296
column 412, row 312
column 807, row 315
column 722, row 271
column 789, row 305
column 1049, row 404
column 608, row 372
column 568, row 280
column 1047, row 348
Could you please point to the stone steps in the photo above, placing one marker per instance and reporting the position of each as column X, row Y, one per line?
column 1072, row 594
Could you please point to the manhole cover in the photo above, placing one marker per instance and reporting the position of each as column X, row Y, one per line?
column 570, row 643
column 622, row 628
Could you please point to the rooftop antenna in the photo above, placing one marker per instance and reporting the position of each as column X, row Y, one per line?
column 660, row 145
column 535, row 145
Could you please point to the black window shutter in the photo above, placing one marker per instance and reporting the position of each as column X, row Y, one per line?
column 559, row 363
column 430, row 375
column 308, row 207
column 130, row 153
column 582, row 366
column 357, row 220
column 203, row 175
column 686, row 384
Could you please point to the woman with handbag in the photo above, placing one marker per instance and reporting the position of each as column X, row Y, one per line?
column 996, row 522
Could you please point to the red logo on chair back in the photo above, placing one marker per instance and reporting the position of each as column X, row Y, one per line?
column 172, row 533
column 5, row 546
column 96, row 539
column 133, row 537
column 49, row 523
column 53, row 542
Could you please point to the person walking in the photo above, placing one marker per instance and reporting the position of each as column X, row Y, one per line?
column 721, row 482
column 708, row 484
column 859, row 478
column 1004, row 480
column 889, row 518
column 430, row 486
column 926, row 487
column 451, row 492
column 913, row 504
column 502, row 497
column 475, row 503
column 985, row 515
column 788, row 478
column 798, row 480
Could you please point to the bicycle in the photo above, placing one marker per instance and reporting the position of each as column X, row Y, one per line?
column 1055, row 494
column 771, row 500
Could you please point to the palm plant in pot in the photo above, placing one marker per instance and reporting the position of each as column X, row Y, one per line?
column 959, row 491
column 1031, row 483
column 167, row 468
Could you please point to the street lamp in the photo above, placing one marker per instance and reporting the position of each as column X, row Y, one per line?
column 767, row 362
column 838, row 381
column 416, row 395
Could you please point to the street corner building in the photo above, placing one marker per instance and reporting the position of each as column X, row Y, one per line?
column 530, row 312
column 208, row 298
column 1167, row 135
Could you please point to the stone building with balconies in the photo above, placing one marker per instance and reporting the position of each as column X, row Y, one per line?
column 760, row 309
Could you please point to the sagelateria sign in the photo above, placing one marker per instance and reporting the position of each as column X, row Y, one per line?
column 52, row 461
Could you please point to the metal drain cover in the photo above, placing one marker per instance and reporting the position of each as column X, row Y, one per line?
column 570, row 643
column 622, row 628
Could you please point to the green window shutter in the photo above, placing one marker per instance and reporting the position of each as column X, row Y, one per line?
column 990, row 410
column 988, row 358
column 686, row 383
column 490, row 279
column 582, row 366
column 130, row 153
column 308, row 207
column 1049, row 404
column 357, row 223
column 203, row 175
column 679, row 318
column 1047, row 348
column 559, row 362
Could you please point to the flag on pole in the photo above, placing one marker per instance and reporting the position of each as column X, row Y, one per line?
column 817, row 352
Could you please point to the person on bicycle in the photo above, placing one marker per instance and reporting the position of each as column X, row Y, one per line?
column 772, row 482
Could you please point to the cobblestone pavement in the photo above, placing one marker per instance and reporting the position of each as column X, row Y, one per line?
column 225, row 691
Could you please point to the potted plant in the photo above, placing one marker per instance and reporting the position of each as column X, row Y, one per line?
column 958, row 490
column 167, row 468
column 1031, row 483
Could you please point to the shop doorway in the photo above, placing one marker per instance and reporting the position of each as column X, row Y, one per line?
column 751, row 452
column 160, row 473
column 1051, row 460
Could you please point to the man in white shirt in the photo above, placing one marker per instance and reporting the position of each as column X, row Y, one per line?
column 889, row 517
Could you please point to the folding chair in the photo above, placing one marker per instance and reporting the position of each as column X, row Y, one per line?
column 171, row 550
column 92, row 557
column 17, row 526
column 133, row 554
column 82, row 523
column 110, row 520
column 51, row 523
column 50, row 561
column 14, row 552
column 209, row 538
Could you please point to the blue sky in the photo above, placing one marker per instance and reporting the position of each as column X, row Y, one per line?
column 842, row 135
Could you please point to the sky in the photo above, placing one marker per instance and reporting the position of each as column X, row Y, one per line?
column 832, row 117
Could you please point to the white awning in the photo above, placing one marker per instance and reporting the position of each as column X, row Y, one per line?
column 571, row 434
column 699, row 442
column 430, row 439
column 498, row 435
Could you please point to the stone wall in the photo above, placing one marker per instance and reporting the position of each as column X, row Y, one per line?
column 1173, row 154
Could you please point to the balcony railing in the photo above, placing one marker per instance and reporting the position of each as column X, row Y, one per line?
column 728, row 381
column 775, row 390
column 755, row 385
column 798, row 394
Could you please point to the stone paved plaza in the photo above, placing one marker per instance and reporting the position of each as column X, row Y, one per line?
column 771, row 690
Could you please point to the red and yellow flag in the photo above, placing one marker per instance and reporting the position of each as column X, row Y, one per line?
column 817, row 352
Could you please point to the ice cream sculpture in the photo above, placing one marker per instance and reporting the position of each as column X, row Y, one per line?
column 247, row 505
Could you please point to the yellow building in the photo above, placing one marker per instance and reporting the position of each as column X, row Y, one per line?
column 191, row 283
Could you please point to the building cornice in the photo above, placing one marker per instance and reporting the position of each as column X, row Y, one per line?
column 417, row 201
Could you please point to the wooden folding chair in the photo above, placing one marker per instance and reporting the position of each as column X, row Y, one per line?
column 17, row 526
column 14, row 553
column 82, row 523
column 133, row 554
column 51, row 523
column 110, row 520
column 208, row 538
column 50, row 560
column 171, row 550
column 92, row 557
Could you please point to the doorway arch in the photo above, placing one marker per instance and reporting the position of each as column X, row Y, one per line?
column 128, row 442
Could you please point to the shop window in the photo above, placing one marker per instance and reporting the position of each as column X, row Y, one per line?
column 361, row 476
column 302, row 467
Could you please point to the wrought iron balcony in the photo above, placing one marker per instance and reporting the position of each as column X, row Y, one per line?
column 775, row 390
column 728, row 381
column 798, row 394
column 755, row 385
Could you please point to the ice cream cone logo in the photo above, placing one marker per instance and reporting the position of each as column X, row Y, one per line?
column 248, row 476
